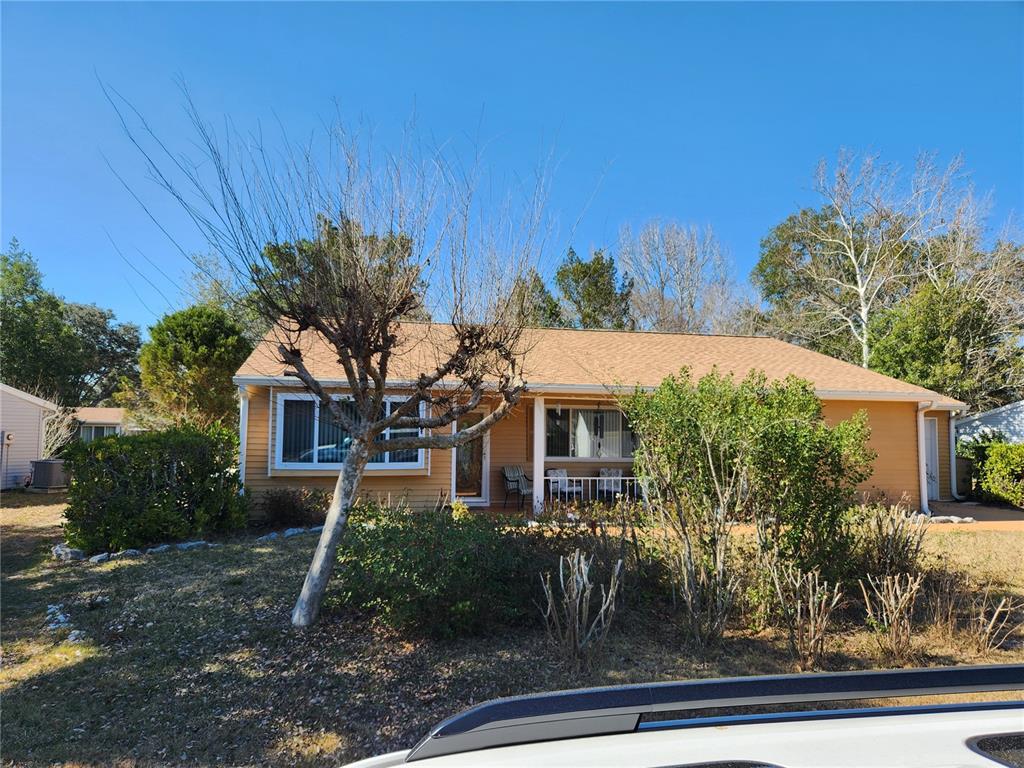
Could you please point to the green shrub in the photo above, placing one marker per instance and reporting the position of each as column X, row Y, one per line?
column 1002, row 475
column 293, row 507
column 445, row 573
column 432, row 573
column 975, row 450
column 132, row 490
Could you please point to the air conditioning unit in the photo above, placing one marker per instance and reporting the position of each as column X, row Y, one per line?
column 49, row 475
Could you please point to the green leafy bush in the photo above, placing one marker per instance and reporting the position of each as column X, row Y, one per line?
column 1002, row 475
column 975, row 450
column 433, row 573
column 288, row 507
column 132, row 490
column 446, row 573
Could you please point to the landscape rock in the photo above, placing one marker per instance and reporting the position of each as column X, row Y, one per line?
column 951, row 519
column 214, row 545
column 65, row 554
column 56, row 618
column 102, row 557
column 76, row 636
column 185, row 546
column 126, row 553
column 316, row 529
column 267, row 537
column 293, row 532
column 97, row 601
column 157, row 550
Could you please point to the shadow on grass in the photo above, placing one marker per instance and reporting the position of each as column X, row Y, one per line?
column 192, row 661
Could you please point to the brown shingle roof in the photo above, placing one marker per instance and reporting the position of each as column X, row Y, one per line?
column 98, row 415
column 565, row 358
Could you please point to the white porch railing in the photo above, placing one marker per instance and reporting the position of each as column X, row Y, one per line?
column 590, row 489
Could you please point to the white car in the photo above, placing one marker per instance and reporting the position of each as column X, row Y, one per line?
column 620, row 727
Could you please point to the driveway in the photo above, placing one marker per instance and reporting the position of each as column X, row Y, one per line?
column 988, row 516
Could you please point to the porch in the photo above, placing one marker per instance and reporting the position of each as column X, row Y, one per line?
column 582, row 453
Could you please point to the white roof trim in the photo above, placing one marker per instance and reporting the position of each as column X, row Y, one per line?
column 598, row 389
column 28, row 398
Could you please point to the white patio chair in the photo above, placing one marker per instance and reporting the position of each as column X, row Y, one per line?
column 561, row 487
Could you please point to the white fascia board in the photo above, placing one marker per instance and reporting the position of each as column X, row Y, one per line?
column 598, row 389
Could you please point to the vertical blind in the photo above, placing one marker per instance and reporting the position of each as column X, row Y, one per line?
column 588, row 433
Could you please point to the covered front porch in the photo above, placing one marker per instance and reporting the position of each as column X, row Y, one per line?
column 582, row 453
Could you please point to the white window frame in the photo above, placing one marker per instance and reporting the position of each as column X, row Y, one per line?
column 572, row 438
column 280, row 463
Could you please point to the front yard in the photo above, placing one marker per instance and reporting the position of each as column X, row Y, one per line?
column 188, row 658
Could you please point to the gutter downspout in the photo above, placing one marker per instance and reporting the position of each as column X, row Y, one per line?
column 243, row 432
column 952, row 456
column 921, row 461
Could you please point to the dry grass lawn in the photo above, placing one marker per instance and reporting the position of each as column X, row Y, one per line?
column 189, row 657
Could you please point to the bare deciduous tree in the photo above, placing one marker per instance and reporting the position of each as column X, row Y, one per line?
column 682, row 280
column 862, row 251
column 343, row 243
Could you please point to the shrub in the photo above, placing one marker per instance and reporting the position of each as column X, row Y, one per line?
column 890, row 607
column 975, row 449
column 567, row 612
column 1002, row 474
column 889, row 539
column 292, row 507
column 806, row 603
column 132, row 490
column 432, row 573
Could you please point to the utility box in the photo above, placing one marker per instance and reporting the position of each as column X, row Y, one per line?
column 49, row 475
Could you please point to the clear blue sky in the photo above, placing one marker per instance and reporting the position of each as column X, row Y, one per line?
column 707, row 113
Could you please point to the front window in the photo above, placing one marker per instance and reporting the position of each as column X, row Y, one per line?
column 89, row 432
column 308, row 437
column 588, row 433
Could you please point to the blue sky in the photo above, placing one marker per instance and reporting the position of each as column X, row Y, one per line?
column 703, row 112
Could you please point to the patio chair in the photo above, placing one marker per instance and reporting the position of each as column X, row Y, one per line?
column 516, row 482
column 609, row 483
column 561, row 487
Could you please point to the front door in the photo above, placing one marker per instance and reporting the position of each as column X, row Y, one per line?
column 471, row 470
column 931, row 457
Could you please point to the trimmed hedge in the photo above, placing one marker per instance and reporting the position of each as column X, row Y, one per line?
column 132, row 490
column 1002, row 474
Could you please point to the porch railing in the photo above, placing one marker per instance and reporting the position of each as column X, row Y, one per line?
column 588, row 489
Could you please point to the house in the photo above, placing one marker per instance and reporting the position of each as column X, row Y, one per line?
column 1007, row 420
column 22, row 426
column 568, row 420
column 94, row 423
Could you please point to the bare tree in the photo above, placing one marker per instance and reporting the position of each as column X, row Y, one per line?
column 682, row 280
column 338, row 244
column 863, row 250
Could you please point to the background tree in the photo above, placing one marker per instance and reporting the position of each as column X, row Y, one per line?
column 947, row 339
column 187, row 365
column 826, row 273
column 359, row 241
column 592, row 293
column 681, row 280
column 72, row 352
column 543, row 309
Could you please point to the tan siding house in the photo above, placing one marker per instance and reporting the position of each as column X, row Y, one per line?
column 573, row 377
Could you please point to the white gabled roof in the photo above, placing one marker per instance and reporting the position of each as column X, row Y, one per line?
column 27, row 397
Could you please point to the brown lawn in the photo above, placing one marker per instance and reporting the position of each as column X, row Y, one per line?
column 189, row 657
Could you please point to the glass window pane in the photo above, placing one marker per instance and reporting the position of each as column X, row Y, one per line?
column 610, row 441
column 558, row 432
column 586, row 433
column 334, row 439
column 297, row 431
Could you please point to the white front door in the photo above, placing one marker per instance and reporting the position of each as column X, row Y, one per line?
column 931, row 457
column 471, row 464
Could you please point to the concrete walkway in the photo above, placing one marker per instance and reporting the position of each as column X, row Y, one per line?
column 988, row 516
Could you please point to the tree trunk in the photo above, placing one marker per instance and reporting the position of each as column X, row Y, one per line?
column 307, row 607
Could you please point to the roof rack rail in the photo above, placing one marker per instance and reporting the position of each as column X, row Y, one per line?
column 615, row 710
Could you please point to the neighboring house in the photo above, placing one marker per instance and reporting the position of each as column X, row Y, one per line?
column 22, row 424
column 1008, row 420
column 568, row 419
column 94, row 423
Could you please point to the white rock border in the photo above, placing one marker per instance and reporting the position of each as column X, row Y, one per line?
column 64, row 553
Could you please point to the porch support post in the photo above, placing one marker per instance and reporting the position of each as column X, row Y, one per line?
column 539, row 436
column 243, row 432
